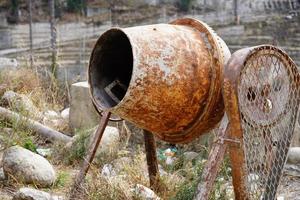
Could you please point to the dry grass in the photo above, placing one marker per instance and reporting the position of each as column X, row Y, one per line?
column 44, row 93
column 122, row 185
column 178, row 184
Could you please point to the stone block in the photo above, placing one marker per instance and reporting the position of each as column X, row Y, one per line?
column 82, row 112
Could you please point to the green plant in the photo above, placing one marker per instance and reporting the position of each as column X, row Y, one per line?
column 62, row 179
column 28, row 144
column 15, row 133
column 186, row 190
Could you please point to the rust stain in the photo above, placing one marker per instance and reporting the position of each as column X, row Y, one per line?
column 175, row 88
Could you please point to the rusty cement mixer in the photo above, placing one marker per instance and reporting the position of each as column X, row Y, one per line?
column 164, row 78
column 178, row 81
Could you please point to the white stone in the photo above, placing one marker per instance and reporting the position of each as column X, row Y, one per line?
column 21, row 103
column 26, row 166
column 294, row 155
column 8, row 63
column 292, row 170
column 5, row 196
column 65, row 113
column 33, row 194
column 57, row 124
column 44, row 152
column 108, row 171
column 82, row 112
column 2, row 175
column 109, row 139
column 51, row 114
column 145, row 193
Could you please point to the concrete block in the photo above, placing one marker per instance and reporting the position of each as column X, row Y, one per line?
column 82, row 112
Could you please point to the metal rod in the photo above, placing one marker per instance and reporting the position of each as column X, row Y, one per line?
column 90, row 155
column 53, row 36
column 213, row 164
column 30, row 33
column 235, row 11
column 150, row 147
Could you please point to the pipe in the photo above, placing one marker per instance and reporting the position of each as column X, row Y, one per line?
column 164, row 78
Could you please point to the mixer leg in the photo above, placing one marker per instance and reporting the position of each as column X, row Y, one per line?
column 150, row 147
column 89, row 156
column 213, row 164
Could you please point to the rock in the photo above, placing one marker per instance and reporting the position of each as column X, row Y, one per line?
column 33, row 194
column 54, row 120
column 120, row 163
column 57, row 124
column 108, row 171
column 292, row 170
column 280, row 198
column 226, row 191
column 294, row 155
column 26, row 166
column 44, row 152
column 2, row 175
column 51, row 114
column 190, row 156
column 65, row 113
column 145, row 193
column 110, row 139
column 82, row 112
column 8, row 63
column 20, row 103
column 4, row 196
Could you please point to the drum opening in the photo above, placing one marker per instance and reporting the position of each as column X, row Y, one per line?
column 110, row 68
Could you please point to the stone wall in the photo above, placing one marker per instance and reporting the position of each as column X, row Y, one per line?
column 5, row 38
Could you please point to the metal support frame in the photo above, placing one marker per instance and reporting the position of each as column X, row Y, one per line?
column 214, row 162
column 89, row 156
column 150, row 148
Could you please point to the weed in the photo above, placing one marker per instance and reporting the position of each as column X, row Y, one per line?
column 78, row 149
column 62, row 179
column 28, row 144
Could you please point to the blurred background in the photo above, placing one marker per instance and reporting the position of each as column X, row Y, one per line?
column 59, row 34
column 54, row 38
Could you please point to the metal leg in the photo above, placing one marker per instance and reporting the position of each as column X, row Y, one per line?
column 213, row 164
column 150, row 147
column 90, row 156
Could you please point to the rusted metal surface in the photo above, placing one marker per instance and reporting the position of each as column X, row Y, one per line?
column 237, row 157
column 214, row 161
column 261, row 95
column 152, row 163
column 174, row 89
column 89, row 156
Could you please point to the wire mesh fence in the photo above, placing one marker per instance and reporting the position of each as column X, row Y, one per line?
column 268, row 102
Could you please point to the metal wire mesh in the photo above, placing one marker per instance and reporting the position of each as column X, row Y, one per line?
column 267, row 95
